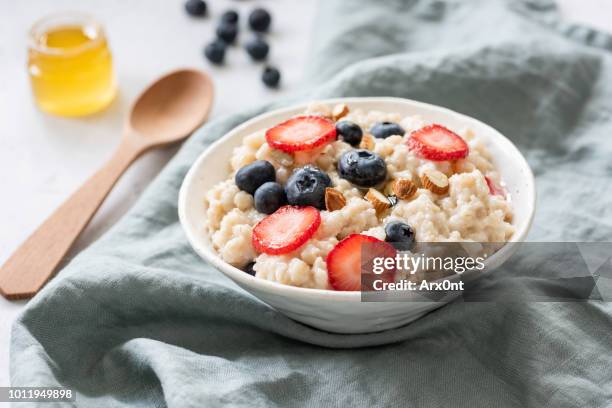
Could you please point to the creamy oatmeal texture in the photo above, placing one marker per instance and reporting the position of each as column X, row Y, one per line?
column 468, row 212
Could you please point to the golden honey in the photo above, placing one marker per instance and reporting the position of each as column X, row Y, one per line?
column 70, row 66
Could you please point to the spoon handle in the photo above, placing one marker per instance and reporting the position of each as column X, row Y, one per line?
column 34, row 262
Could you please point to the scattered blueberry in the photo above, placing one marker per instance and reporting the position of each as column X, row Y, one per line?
column 227, row 32
column 271, row 77
column 350, row 132
column 306, row 186
column 260, row 19
column 248, row 268
column 400, row 234
column 253, row 175
column 257, row 48
column 269, row 197
column 383, row 130
column 230, row 16
column 362, row 168
column 195, row 8
column 215, row 52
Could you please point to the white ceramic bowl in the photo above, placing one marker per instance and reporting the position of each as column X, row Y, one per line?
column 343, row 312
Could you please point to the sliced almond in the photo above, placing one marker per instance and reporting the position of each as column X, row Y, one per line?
column 334, row 199
column 435, row 181
column 379, row 201
column 404, row 189
column 340, row 111
column 367, row 142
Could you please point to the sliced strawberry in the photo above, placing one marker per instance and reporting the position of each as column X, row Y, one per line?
column 494, row 189
column 301, row 133
column 344, row 262
column 286, row 229
column 437, row 143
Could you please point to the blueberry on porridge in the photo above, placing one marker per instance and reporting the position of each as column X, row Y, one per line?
column 307, row 186
column 362, row 167
column 400, row 234
column 304, row 195
column 383, row 130
column 250, row 177
column 350, row 132
column 269, row 197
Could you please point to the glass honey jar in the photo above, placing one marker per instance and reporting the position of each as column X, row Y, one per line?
column 70, row 65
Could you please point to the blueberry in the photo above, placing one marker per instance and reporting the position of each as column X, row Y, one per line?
column 383, row 130
column 215, row 52
column 260, row 19
column 350, row 132
column 306, row 186
column 400, row 234
column 271, row 77
column 195, row 8
column 227, row 32
column 230, row 16
column 257, row 48
column 253, row 175
column 248, row 268
column 269, row 197
column 362, row 168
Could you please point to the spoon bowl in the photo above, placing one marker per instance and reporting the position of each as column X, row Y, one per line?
column 172, row 107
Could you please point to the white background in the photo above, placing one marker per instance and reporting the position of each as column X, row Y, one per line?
column 43, row 158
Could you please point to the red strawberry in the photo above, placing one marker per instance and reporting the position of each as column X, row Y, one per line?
column 494, row 189
column 437, row 143
column 301, row 133
column 286, row 229
column 344, row 262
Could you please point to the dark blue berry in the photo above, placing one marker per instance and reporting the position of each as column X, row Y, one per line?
column 257, row 48
column 253, row 175
column 306, row 186
column 362, row 168
column 227, row 32
column 196, row 8
column 260, row 19
column 269, row 197
column 215, row 52
column 271, row 77
column 230, row 16
column 400, row 234
column 248, row 268
column 383, row 130
column 350, row 132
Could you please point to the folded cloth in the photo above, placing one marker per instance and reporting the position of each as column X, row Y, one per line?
column 138, row 319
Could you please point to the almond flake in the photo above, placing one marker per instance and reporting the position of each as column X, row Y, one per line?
column 367, row 142
column 379, row 201
column 334, row 199
column 340, row 111
column 404, row 189
column 435, row 181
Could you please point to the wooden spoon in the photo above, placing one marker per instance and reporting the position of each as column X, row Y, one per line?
column 166, row 112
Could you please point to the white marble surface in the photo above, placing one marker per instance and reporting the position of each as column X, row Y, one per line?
column 43, row 158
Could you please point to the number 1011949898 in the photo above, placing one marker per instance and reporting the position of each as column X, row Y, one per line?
column 36, row 394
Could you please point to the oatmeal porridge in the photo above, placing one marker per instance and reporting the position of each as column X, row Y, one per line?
column 334, row 176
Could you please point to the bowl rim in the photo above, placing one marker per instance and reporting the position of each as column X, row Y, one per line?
column 208, row 254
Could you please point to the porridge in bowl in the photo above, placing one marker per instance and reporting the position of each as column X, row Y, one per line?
column 302, row 195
